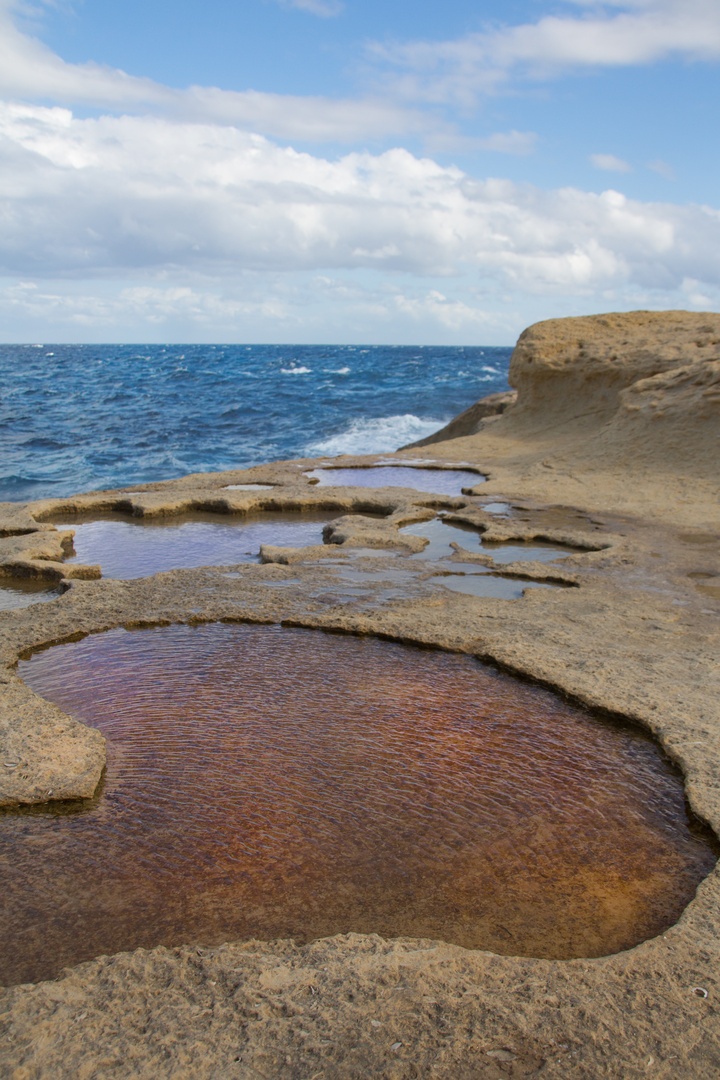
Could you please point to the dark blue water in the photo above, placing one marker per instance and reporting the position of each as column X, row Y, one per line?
column 84, row 417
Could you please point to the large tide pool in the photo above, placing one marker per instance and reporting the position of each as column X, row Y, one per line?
column 271, row 783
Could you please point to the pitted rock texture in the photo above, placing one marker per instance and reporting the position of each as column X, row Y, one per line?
column 619, row 411
column 577, row 368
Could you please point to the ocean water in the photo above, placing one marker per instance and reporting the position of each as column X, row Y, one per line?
column 84, row 417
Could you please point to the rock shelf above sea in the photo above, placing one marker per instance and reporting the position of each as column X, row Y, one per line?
column 611, row 447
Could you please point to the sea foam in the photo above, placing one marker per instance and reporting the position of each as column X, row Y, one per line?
column 381, row 435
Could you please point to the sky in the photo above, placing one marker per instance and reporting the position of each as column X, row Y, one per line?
column 346, row 171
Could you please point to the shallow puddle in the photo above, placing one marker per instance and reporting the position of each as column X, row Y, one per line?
column 266, row 782
column 369, row 586
column 248, row 487
column 489, row 585
column 440, row 534
column 706, row 583
column 437, row 481
column 710, row 590
column 554, row 517
column 17, row 592
column 127, row 547
column 497, row 508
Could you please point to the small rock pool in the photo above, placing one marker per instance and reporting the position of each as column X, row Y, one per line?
column 131, row 547
column 436, row 481
column 472, row 578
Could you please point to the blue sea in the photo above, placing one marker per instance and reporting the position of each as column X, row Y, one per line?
column 84, row 417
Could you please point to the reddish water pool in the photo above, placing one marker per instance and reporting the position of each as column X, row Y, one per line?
column 266, row 782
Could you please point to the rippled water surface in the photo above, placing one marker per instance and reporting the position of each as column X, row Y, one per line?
column 266, row 782
column 440, row 481
column 127, row 547
column 82, row 417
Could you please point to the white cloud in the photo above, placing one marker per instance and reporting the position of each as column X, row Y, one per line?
column 695, row 295
column 451, row 72
column 256, row 296
column 453, row 314
column 663, row 169
column 642, row 32
column 449, row 141
column 509, row 142
column 30, row 71
column 295, row 307
column 188, row 217
column 610, row 163
column 115, row 195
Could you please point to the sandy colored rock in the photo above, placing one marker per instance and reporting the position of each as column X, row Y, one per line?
column 641, row 388
column 574, row 370
column 468, row 422
column 39, row 553
column 613, row 446
column 618, row 411
column 44, row 754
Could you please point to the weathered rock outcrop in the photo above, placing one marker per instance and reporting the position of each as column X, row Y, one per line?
column 575, row 370
column 643, row 382
column 470, row 421
column 620, row 386
column 626, row 404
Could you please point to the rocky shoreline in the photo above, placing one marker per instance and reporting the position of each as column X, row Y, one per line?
column 612, row 447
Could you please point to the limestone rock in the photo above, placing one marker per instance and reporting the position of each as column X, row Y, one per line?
column 634, row 394
column 469, row 421
column 44, row 754
column 573, row 371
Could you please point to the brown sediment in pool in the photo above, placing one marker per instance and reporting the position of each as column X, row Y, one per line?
column 708, row 583
column 267, row 783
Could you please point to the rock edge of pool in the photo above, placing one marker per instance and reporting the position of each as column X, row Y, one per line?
column 634, row 491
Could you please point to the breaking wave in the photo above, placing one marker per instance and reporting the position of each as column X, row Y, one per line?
column 379, row 436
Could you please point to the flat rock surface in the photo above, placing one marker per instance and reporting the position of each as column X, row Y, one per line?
column 612, row 446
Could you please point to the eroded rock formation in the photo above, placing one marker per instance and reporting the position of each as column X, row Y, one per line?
column 643, row 383
column 614, row 434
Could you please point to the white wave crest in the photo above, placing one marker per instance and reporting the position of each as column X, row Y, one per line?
column 296, row 370
column 379, row 436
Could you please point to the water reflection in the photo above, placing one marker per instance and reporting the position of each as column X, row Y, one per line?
column 20, row 592
column 127, row 547
column 490, row 585
column 438, row 481
column 440, row 534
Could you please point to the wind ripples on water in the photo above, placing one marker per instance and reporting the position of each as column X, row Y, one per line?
column 266, row 782
column 83, row 417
